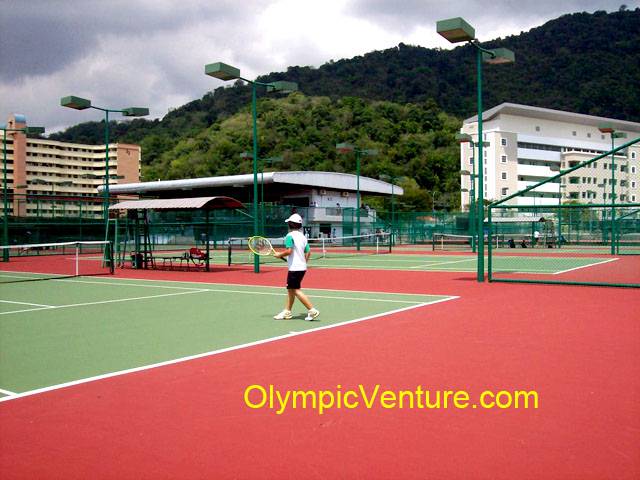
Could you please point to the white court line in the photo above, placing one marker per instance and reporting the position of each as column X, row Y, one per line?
column 443, row 263
column 214, row 352
column 253, row 292
column 117, row 300
column 27, row 303
column 7, row 392
column 123, row 281
column 585, row 266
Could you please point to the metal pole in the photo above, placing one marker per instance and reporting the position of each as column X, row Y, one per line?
column 393, row 221
column 5, row 198
column 105, row 205
column 480, row 205
column 613, row 197
column 472, row 207
column 559, row 215
column 358, row 199
column 256, row 258
column 262, row 227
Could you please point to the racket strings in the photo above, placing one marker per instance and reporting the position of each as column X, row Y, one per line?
column 260, row 245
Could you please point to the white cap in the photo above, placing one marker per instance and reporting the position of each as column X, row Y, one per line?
column 295, row 218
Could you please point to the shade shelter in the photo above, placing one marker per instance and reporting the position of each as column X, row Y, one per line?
column 137, row 210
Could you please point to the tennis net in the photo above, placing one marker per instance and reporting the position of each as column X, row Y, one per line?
column 454, row 242
column 324, row 247
column 448, row 241
column 44, row 261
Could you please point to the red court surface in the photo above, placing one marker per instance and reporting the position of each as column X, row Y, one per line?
column 576, row 346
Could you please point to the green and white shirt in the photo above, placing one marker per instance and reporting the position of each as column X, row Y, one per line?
column 297, row 242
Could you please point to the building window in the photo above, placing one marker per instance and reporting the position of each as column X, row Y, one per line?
column 574, row 133
column 503, row 159
column 537, row 128
column 633, row 184
column 588, row 135
column 601, row 137
column 633, row 169
column 470, row 160
column 633, row 198
column 505, row 191
column 633, row 155
column 503, row 142
column 503, row 175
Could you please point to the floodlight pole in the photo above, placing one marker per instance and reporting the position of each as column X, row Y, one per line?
column 78, row 103
column 5, row 193
column 560, row 188
column 457, row 30
column 346, row 147
column 608, row 128
column 226, row 72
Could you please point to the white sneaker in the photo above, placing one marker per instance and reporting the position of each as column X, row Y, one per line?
column 312, row 315
column 283, row 315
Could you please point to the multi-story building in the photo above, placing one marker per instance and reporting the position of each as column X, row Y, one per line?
column 529, row 144
column 42, row 173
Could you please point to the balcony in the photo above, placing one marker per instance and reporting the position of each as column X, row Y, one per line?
column 531, row 154
column 546, row 188
column 536, row 171
column 335, row 214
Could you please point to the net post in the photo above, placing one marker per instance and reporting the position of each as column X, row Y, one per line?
column 489, row 244
column 77, row 245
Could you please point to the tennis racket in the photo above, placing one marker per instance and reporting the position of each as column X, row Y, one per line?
column 261, row 246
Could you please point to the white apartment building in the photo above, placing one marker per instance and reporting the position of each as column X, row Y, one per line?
column 41, row 173
column 529, row 144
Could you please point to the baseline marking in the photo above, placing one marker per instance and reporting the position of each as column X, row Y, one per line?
column 585, row 266
column 102, row 302
column 214, row 352
column 27, row 303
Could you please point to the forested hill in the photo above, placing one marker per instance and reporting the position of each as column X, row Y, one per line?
column 584, row 62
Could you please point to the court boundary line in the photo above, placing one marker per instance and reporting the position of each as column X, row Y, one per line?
column 7, row 392
column 587, row 266
column 280, row 288
column 199, row 290
column 117, row 300
column 211, row 353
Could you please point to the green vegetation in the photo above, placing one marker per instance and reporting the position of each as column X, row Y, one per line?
column 585, row 63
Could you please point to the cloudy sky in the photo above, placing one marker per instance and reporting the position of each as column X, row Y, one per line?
column 122, row 53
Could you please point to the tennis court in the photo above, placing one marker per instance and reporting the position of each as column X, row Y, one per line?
column 66, row 330
column 517, row 263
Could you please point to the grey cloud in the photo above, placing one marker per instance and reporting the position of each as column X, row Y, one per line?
column 410, row 14
column 40, row 37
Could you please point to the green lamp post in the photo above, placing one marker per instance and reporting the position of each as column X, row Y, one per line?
column 561, row 188
column 608, row 128
column 466, row 138
column 458, row 30
column 263, row 162
column 346, row 148
column 78, row 103
column 391, row 179
column 225, row 72
column 5, row 194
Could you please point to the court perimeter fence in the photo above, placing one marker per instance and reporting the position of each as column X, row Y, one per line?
column 589, row 231
column 51, row 218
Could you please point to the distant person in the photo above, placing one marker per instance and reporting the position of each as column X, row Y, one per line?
column 511, row 243
column 523, row 243
column 536, row 238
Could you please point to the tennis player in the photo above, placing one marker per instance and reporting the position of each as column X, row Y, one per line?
column 297, row 252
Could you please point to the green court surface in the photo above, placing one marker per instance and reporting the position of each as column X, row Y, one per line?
column 451, row 263
column 58, row 331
